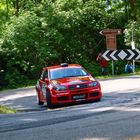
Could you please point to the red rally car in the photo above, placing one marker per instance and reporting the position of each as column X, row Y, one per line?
column 67, row 83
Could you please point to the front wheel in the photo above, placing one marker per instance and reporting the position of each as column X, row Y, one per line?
column 40, row 103
column 48, row 99
column 98, row 100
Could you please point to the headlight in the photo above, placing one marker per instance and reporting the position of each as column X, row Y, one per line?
column 59, row 88
column 93, row 84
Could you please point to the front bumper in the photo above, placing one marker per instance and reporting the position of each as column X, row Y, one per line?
column 78, row 95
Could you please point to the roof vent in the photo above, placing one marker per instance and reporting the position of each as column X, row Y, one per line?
column 64, row 64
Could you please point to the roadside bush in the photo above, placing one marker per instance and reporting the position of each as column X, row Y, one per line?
column 119, row 67
column 14, row 78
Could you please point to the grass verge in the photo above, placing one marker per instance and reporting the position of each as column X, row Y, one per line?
column 6, row 110
column 118, row 76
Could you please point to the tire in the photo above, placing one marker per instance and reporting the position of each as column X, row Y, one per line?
column 40, row 103
column 48, row 99
column 98, row 100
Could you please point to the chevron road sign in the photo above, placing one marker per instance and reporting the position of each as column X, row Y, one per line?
column 127, row 54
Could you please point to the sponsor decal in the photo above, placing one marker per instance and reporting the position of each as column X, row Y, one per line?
column 44, row 89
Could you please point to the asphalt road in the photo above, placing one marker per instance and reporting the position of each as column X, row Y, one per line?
column 115, row 117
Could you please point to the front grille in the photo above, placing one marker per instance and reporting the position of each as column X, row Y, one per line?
column 78, row 91
column 94, row 94
column 62, row 98
column 78, row 86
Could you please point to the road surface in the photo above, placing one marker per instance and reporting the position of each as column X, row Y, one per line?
column 115, row 117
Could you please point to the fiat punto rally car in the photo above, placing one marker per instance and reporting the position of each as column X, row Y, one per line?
column 67, row 83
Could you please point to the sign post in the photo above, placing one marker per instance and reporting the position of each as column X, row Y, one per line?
column 112, row 67
column 110, row 35
column 133, row 47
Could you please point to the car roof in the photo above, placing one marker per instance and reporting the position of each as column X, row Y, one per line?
column 61, row 66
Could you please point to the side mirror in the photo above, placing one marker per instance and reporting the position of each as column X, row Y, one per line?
column 46, row 80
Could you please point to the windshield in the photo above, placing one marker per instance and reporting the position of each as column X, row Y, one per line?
column 67, row 72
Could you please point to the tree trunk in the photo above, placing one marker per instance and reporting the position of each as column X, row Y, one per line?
column 132, row 4
column 7, row 7
column 17, row 7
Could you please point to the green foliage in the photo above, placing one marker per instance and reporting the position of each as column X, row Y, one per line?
column 20, row 48
column 39, row 33
column 73, row 28
column 132, row 31
column 119, row 67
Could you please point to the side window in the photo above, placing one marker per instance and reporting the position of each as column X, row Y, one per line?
column 44, row 75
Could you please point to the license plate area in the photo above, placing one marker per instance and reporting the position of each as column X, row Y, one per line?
column 79, row 97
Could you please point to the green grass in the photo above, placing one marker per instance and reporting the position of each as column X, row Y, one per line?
column 118, row 76
column 6, row 110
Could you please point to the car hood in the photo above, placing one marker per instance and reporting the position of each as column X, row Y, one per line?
column 73, row 80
